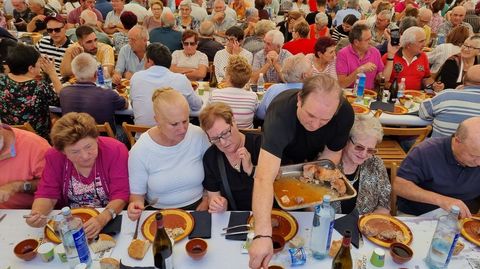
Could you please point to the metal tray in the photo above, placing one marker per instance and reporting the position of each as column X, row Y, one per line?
column 295, row 171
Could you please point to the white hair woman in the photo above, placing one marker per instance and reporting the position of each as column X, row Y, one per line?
column 365, row 171
column 185, row 21
column 320, row 27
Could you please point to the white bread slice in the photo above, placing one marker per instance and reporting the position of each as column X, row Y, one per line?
column 104, row 242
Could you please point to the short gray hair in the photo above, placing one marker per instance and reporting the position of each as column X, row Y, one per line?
column 142, row 30
column 41, row 3
column 294, row 67
column 263, row 26
column 410, row 35
column 186, row 3
column 84, row 67
column 385, row 14
column 250, row 12
column 367, row 125
column 206, row 28
column 277, row 37
column 321, row 18
column 89, row 17
column 168, row 19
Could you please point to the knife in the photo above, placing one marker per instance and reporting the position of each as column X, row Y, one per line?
column 242, row 232
column 3, row 216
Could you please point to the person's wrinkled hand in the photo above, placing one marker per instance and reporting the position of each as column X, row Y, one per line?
column 272, row 56
column 134, row 210
column 116, row 78
column 36, row 219
column 92, row 227
column 448, row 202
column 48, row 66
column 217, row 204
column 368, row 67
column 438, row 86
column 6, row 191
column 260, row 252
column 246, row 158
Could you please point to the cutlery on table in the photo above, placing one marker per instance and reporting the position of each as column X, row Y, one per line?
column 237, row 226
column 152, row 202
column 3, row 216
column 242, row 232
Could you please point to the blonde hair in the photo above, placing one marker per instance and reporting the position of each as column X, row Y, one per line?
column 167, row 97
column 71, row 128
column 214, row 111
column 238, row 71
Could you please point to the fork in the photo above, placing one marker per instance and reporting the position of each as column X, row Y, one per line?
column 152, row 202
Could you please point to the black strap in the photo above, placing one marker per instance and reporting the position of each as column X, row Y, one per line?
column 226, row 186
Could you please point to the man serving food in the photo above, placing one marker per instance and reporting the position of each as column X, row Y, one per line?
column 300, row 126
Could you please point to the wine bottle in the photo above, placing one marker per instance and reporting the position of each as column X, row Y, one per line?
column 343, row 259
column 162, row 246
column 393, row 92
column 380, row 88
column 213, row 78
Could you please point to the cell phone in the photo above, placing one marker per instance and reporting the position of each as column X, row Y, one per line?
column 395, row 37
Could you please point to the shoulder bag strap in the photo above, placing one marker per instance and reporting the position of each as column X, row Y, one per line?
column 226, row 186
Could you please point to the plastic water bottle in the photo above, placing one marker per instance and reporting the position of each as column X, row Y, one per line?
column 100, row 78
column 321, row 236
column 107, row 79
column 440, row 39
column 74, row 239
column 355, row 87
column 444, row 240
column 401, row 88
column 261, row 83
column 361, row 84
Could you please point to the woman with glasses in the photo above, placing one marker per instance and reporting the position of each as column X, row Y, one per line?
column 165, row 164
column 185, row 21
column 189, row 61
column 82, row 169
column 154, row 21
column 233, row 152
column 365, row 171
column 455, row 67
column 243, row 102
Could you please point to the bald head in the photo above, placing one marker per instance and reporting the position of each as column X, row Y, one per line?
column 424, row 16
column 88, row 17
column 472, row 77
column 168, row 19
column 457, row 15
column 206, row 28
column 469, row 130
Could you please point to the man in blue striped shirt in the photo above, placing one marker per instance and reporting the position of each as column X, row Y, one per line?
column 450, row 107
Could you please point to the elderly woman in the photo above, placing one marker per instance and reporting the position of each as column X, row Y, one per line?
column 154, row 21
column 342, row 30
column 243, row 102
column 185, row 21
column 38, row 8
column 233, row 152
column 320, row 28
column 454, row 69
column 251, row 19
column 302, row 6
column 120, row 38
column 82, row 170
column 323, row 60
column 189, row 61
column 165, row 165
column 255, row 43
column 364, row 170
column 26, row 95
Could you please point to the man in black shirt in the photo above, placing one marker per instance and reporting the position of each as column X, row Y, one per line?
column 298, row 126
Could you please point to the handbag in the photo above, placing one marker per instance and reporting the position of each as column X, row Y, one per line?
column 226, row 185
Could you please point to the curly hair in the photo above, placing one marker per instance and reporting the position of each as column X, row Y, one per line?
column 238, row 71
column 71, row 128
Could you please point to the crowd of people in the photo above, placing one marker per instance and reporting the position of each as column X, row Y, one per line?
column 308, row 57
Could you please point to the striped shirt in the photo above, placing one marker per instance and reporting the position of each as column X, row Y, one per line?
column 243, row 104
column 449, row 108
column 47, row 48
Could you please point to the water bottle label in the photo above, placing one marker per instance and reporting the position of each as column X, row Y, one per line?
column 329, row 238
column 298, row 256
column 81, row 245
column 452, row 247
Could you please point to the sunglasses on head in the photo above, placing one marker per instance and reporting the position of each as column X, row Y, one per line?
column 361, row 148
column 56, row 30
column 189, row 43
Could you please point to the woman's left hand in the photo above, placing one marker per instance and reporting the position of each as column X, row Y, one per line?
column 92, row 227
column 48, row 66
column 246, row 158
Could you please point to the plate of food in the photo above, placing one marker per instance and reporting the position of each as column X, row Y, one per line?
column 178, row 224
column 384, row 230
column 267, row 85
column 471, row 229
column 360, row 109
column 398, row 110
column 84, row 213
column 418, row 96
column 304, row 185
column 283, row 224
column 370, row 93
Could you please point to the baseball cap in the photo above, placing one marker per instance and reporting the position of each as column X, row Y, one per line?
column 56, row 17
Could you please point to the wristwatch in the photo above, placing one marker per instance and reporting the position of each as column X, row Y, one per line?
column 27, row 186
column 112, row 212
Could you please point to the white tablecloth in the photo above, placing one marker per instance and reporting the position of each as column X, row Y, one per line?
column 221, row 253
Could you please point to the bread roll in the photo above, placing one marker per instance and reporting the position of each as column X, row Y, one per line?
column 109, row 263
column 138, row 248
column 104, row 242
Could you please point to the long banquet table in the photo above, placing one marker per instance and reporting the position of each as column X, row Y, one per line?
column 224, row 253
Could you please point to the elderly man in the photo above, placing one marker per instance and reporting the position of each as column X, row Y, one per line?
column 22, row 159
column 221, row 20
column 269, row 60
column 411, row 63
column 423, row 21
column 300, row 125
column 56, row 43
column 382, row 22
column 294, row 71
column 251, row 19
column 255, row 43
column 89, row 18
column 73, row 18
column 301, row 43
column 442, row 172
column 21, row 14
column 112, row 21
column 198, row 12
column 453, row 106
column 138, row 8
column 456, row 18
column 218, row 7
column 87, row 42
column 166, row 34
column 361, row 57
column 86, row 96
column 155, row 76
column 206, row 43
column 352, row 8
column 131, row 57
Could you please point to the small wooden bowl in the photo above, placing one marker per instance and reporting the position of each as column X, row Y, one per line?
column 196, row 248
column 26, row 249
column 400, row 253
column 278, row 243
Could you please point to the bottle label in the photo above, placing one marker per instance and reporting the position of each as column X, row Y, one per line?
column 81, row 246
column 452, row 248
column 168, row 262
column 329, row 238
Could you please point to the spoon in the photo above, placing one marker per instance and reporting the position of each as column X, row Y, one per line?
column 152, row 202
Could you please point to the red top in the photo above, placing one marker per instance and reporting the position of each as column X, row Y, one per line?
column 322, row 32
column 413, row 73
column 313, row 5
column 301, row 45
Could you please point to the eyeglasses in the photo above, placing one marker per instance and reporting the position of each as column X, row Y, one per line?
column 231, row 39
column 361, row 148
column 56, row 30
column 470, row 47
column 189, row 43
column 224, row 135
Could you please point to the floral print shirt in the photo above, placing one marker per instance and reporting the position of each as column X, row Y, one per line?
column 27, row 101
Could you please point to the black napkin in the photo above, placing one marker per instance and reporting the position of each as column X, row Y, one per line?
column 349, row 222
column 238, row 218
column 113, row 227
column 383, row 106
column 123, row 266
column 203, row 225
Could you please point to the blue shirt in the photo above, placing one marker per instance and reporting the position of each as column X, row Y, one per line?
column 271, row 93
column 104, row 7
column 168, row 37
column 341, row 14
column 144, row 83
column 128, row 61
column 433, row 167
